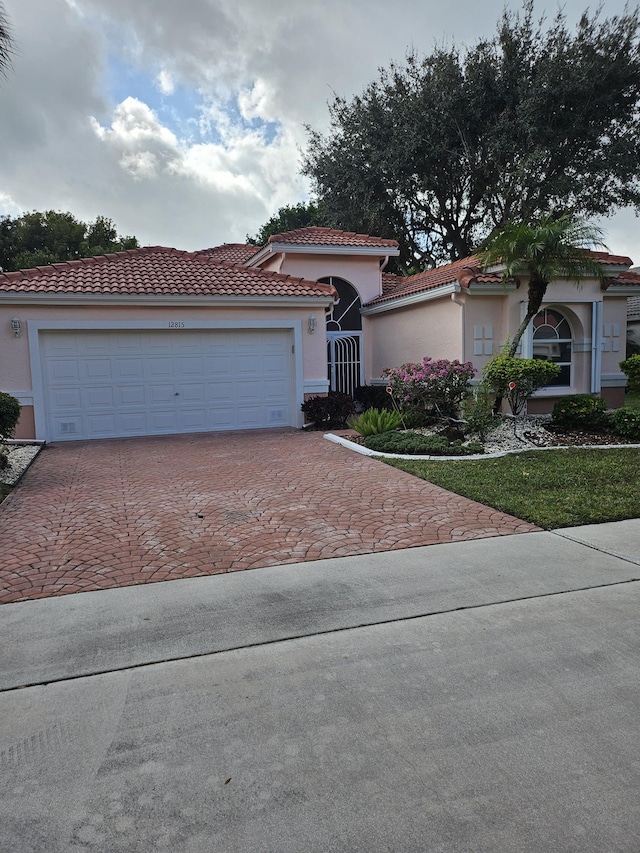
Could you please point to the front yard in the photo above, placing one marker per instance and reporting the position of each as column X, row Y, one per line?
column 550, row 488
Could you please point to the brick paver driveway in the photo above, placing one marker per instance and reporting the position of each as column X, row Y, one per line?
column 92, row 515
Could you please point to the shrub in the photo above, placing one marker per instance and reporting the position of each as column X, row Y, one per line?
column 373, row 397
column 9, row 414
column 478, row 412
column 626, row 422
column 330, row 412
column 4, row 459
column 433, row 388
column 631, row 368
column 580, row 411
column 517, row 378
column 375, row 421
column 414, row 443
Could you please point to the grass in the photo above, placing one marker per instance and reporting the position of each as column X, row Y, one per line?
column 632, row 400
column 551, row 488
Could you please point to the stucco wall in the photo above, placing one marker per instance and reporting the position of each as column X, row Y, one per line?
column 15, row 368
column 362, row 272
column 409, row 334
column 474, row 327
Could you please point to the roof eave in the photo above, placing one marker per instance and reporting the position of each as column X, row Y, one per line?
column 211, row 300
column 392, row 303
column 272, row 249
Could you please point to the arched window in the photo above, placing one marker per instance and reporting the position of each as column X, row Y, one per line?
column 552, row 340
column 345, row 315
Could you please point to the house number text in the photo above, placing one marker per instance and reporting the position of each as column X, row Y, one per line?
column 176, row 324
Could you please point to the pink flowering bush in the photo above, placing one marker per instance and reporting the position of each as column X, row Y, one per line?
column 431, row 389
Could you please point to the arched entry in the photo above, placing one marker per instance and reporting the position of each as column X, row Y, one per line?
column 344, row 338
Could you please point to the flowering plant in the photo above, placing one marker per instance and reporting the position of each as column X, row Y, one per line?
column 432, row 388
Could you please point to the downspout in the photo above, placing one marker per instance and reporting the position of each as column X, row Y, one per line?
column 596, row 347
column 458, row 299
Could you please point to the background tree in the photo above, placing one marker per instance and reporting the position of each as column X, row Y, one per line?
column 439, row 151
column 554, row 247
column 6, row 42
column 39, row 238
column 288, row 218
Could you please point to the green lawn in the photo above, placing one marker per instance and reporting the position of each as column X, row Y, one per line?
column 550, row 488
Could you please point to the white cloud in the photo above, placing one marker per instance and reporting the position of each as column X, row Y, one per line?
column 165, row 82
column 67, row 145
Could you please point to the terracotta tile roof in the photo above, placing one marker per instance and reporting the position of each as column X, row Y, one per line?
column 465, row 272
column 234, row 253
column 633, row 308
column 157, row 270
column 628, row 277
column 316, row 236
column 617, row 260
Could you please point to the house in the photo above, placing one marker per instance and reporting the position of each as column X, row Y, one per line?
column 154, row 340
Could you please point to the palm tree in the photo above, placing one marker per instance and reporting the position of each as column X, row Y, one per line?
column 6, row 42
column 556, row 246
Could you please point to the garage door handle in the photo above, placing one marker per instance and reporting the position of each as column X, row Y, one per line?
column 177, row 394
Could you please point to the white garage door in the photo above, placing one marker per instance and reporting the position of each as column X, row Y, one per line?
column 121, row 383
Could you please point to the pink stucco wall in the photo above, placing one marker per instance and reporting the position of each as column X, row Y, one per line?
column 15, row 369
column 363, row 272
column 475, row 326
column 408, row 334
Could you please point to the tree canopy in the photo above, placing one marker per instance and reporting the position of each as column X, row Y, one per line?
column 440, row 150
column 39, row 238
column 288, row 218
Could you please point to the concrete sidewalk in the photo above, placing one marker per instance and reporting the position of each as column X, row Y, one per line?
column 474, row 696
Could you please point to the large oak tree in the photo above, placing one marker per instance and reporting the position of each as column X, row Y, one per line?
column 441, row 150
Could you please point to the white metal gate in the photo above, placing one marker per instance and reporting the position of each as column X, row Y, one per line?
column 344, row 359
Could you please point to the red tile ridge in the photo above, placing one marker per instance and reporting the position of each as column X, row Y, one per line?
column 319, row 235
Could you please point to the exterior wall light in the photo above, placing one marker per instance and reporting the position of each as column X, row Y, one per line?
column 312, row 324
column 16, row 326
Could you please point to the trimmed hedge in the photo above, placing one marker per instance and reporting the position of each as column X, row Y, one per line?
column 9, row 415
column 627, row 423
column 581, row 411
column 416, row 444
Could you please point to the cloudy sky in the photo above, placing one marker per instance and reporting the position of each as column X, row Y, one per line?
column 183, row 120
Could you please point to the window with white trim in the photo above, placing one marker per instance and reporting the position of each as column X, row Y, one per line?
column 553, row 341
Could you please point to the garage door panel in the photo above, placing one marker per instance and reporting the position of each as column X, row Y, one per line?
column 158, row 367
column 248, row 389
column 129, row 395
column 162, row 421
column 221, row 392
column 97, row 369
column 67, row 398
column 99, row 397
column 100, row 426
column 192, row 420
column 153, row 382
column 127, row 368
column 219, row 365
column 160, row 393
column 132, row 423
column 63, row 370
column 189, row 366
column 192, row 392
